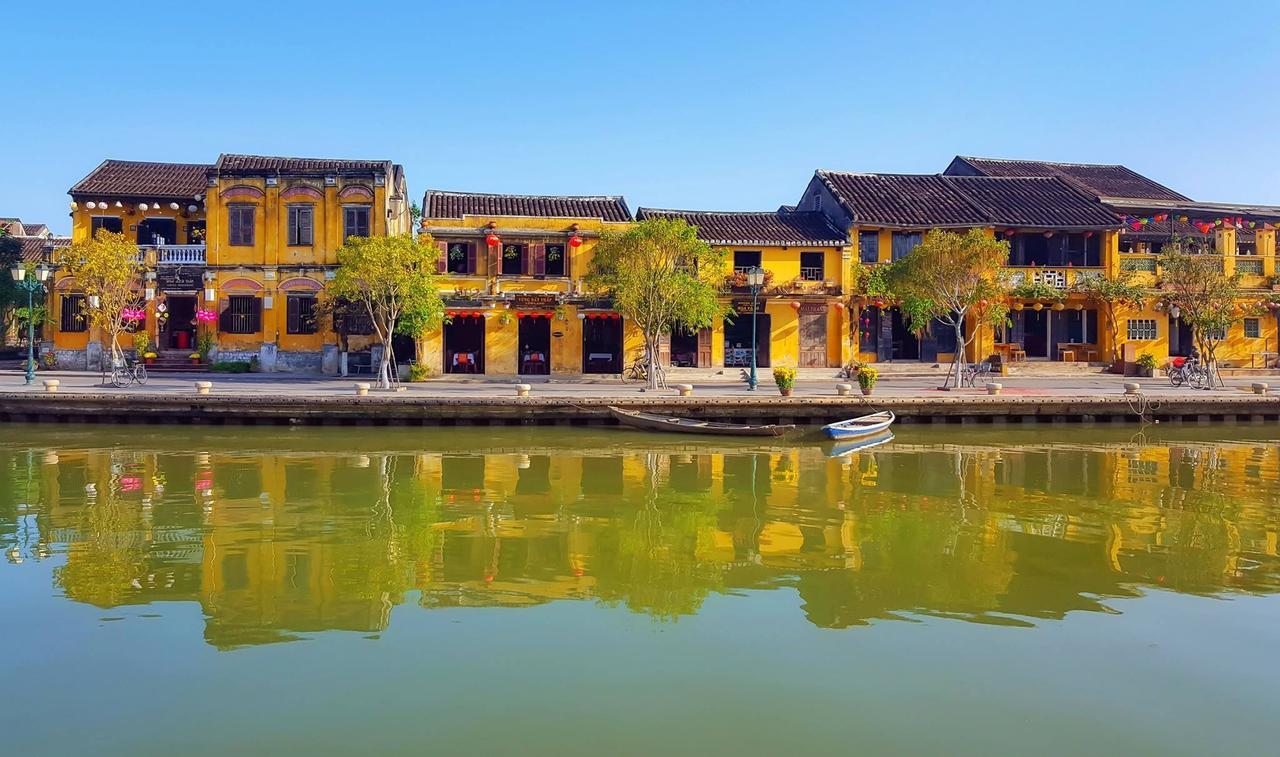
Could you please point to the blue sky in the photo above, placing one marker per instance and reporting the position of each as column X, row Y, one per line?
column 712, row 105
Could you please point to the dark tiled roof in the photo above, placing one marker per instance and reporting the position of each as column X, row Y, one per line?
column 919, row 200
column 36, row 249
column 128, row 178
column 777, row 228
column 34, row 229
column 1099, row 180
column 1038, row 202
column 254, row 165
column 933, row 200
column 440, row 204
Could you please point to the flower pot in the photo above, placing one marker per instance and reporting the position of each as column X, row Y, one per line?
column 785, row 392
column 195, row 361
column 149, row 360
column 866, row 391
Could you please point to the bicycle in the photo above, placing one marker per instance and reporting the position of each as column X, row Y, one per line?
column 1189, row 371
column 130, row 372
column 970, row 374
column 637, row 371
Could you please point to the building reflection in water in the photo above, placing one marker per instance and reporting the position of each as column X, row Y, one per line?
column 276, row 545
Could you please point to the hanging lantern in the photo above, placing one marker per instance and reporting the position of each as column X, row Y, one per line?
column 1010, row 232
column 119, row 204
column 1136, row 226
column 575, row 241
column 94, row 301
column 73, row 204
column 795, row 306
column 1059, row 306
column 1078, row 306
column 1176, row 312
column 90, row 205
column 192, row 208
column 173, row 206
column 493, row 240
column 1048, row 235
column 840, row 306
column 1038, row 306
column 1088, row 234
column 1018, row 306
column 143, row 207
column 1160, row 218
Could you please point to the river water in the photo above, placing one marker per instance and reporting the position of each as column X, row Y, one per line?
column 571, row 591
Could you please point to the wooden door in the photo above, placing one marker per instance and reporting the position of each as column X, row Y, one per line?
column 664, row 350
column 813, row 336
column 704, row 348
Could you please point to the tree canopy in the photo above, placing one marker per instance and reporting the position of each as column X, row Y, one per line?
column 107, row 267
column 947, row 277
column 1205, row 295
column 394, row 279
column 1111, row 294
column 660, row 275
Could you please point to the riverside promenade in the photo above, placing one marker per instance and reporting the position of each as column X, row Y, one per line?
column 276, row 398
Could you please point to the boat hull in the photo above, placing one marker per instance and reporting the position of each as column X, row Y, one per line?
column 856, row 428
column 667, row 424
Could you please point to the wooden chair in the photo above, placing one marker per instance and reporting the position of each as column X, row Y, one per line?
column 1017, row 354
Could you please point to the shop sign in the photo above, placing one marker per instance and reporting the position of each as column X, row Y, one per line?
column 534, row 301
column 744, row 306
column 179, row 278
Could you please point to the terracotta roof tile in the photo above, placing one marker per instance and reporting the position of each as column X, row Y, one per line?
column 933, row 200
column 266, row 164
column 35, row 229
column 1097, row 179
column 765, row 228
column 128, row 178
column 441, row 204
column 36, row 249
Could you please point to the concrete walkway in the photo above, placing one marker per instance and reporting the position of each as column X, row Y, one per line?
column 286, row 385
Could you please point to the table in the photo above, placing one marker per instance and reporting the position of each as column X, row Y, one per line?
column 737, row 357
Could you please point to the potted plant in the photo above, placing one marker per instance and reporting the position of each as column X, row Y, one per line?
column 1146, row 365
column 140, row 344
column 867, row 377
column 785, row 378
column 149, row 357
column 195, row 358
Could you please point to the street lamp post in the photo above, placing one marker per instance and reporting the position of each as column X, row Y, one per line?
column 755, row 280
column 31, row 285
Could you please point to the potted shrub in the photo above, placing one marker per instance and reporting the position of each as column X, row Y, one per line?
column 141, row 343
column 195, row 358
column 785, row 378
column 149, row 358
column 1146, row 365
column 867, row 377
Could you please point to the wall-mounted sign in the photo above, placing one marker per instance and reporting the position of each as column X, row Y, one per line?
column 534, row 301
column 179, row 278
column 744, row 306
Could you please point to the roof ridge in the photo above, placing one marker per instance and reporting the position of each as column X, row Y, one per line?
column 461, row 193
column 1046, row 162
column 734, row 212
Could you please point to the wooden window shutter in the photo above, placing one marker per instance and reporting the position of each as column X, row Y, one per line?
column 538, row 251
column 304, row 226
column 224, row 316
column 255, row 317
column 442, row 263
column 293, row 308
column 472, row 263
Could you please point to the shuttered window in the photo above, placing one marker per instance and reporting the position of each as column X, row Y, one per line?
column 352, row 319
column 301, row 314
column 300, row 225
column 869, row 246
column 72, row 318
column 242, row 316
column 461, row 258
column 355, row 221
column 555, row 260
column 904, row 242
column 240, row 225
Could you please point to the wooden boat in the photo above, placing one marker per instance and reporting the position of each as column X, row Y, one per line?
column 865, row 425
column 655, row 422
column 859, row 444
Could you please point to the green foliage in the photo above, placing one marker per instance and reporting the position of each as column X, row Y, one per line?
column 1110, row 294
column 1146, row 361
column 419, row 373
column 394, row 279
column 1195, row 282
column 1037, row 290
column 784, row 376
column 10, row 294
column 109, row 267
column 231, row 366
column 660, row 274
column 867, row 376
column 204, row 345
column 141, row 342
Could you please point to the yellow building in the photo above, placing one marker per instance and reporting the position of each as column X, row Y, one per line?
column 512, row 268
column 249, row 239
column 800, row 312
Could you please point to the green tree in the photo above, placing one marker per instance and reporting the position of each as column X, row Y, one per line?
column 660, row 274
column 1110, row 294
column 945, row 279
column 108, row 269
column 1197, row 285
column 394, row 279
column 10, row 296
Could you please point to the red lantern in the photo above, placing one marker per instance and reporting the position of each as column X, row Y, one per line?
column 492, row 240
column 795, row 306
column 1088, row 234
column 575, row 241
column 840, row 306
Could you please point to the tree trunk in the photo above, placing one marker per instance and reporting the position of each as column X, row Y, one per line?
column 651, row 357
column 957, row 359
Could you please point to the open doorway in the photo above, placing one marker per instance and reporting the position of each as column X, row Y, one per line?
column 737, row 340
column 684, row 347
column 533, row 356
column 906, row 345
column 1181, row 338
column 178, row 330
column 1035, row 332
column 602, row 344
column 464, row 344
column 158, row 231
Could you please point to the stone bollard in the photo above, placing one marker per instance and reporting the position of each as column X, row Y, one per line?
column 362, row 389
column 994, row 388
column 685, row 390
column 844, row 390
column 51, row 385
column 522, row 390
column 1258, row 388
column 1130, row 388
column 203, row 387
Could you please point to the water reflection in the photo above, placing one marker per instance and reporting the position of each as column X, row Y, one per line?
column 278, row 535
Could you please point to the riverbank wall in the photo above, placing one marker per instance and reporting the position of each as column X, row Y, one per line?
column 407, row 409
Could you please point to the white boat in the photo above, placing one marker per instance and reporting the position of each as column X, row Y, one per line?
column 865, row 425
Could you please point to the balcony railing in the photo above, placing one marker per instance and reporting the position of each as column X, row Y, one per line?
column 1249, row 266
column 1059, row 277
column 813, row 273
column 176, row 254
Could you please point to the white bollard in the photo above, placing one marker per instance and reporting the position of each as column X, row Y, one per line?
column 994, row 388
column 1130, row 388
column 522, row 390
column 203, row 387
column 362, row 389
column 1258, row 388
column 51, row 385
column 844, row 390
column 685, row 390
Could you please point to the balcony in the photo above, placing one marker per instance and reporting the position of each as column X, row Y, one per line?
column 174, row 254
column 1056, row 277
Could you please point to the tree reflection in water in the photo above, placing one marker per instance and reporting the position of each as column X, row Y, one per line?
column 279, row 538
